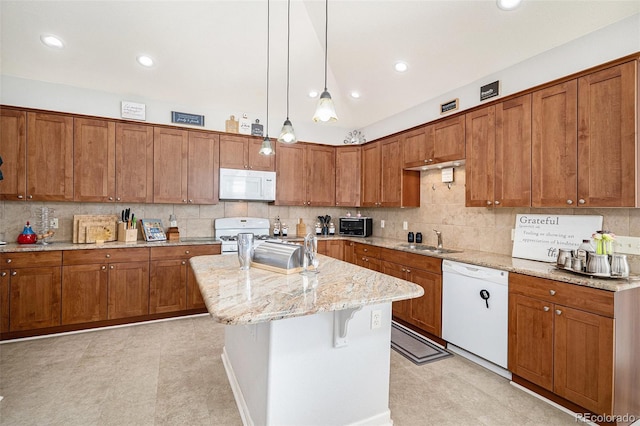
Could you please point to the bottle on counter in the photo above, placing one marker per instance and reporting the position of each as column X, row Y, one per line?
column 419, row 237
column 584, row 251
column 410, row 237
column 276, row 227
column 318, row 228
column 332, row 229
column 284, row 231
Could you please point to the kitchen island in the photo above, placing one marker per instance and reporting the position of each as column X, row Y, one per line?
column 312, row 350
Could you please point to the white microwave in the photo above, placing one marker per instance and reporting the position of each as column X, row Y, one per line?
column 250, row 185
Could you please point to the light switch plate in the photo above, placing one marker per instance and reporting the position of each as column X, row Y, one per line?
column 382, row 224
column 405, row 225
column 626, row 245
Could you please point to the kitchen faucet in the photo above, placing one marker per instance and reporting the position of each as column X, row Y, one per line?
column 439, row 234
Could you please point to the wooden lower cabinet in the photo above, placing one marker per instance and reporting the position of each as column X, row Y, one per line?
column 128, row 289
column 574, row 341
column 84, row 293
column 367, row 256
column 331, row 248
column 4, row 301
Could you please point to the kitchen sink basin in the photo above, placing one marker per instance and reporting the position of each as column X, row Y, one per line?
column 428, row 249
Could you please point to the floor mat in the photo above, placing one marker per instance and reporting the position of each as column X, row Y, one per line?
column 415, row 347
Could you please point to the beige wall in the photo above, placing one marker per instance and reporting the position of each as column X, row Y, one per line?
column 484, row 229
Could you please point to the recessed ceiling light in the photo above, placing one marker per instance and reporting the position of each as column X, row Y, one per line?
column 355, row 95
column 313, row 94
column 51, row 41
column 145, row 61
column 508, row 4
column 401, row 66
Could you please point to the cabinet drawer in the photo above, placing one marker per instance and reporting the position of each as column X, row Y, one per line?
column 186, row 252
column 83, row 257
column 417, row 261
column 367, row 250
column 571, row 295
column 32, row 259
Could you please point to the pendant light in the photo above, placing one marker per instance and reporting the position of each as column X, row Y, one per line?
column 287, row 135
column 266, row 148
column 325, row 111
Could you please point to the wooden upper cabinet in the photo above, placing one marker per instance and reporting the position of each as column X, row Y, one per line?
column 170, row 160
column 49, row 157
column 348, row 176
column 134, row 163
column 480, row 163
column 417, row 147
column 607, row 123
column 203, row 166
column 391, row 168
column 291, row 176
column 13, row 147
column 448, row 139
column 554, row 151
column 94, row 168
column 242, row 152
column 371, row 179
column 320, row 163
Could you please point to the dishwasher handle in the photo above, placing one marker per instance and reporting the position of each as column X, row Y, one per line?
column 487, row 274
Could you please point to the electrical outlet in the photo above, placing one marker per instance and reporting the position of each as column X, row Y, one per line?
column 513, row 234
column 627, row 245
column 382, row 224
column 376, row 319
column 405, row 225
column 54, row 223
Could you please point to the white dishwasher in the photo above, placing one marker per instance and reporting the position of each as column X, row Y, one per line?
column 475, row 310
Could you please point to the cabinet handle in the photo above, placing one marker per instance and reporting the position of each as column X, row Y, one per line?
column 558, row 312
column 9, row 260
column 118, row 199
column 408, row 271
column 337, row 203
column 366, row 250
column 104, row 268
column 4, row 274
column 111, row 267
column 20, row 197
column 191, row 201
column 187, row 252
column 184, row 201
column 404, row 270
column 569, row 202
column 430, row 160
column 552, row 292
column 581, row 201
column 14, row 273
column 30, row 196
column 108, row 256
column 497, row 203
column 546, row 309
column 489, row 202
column 110, row 198
column 184, row 262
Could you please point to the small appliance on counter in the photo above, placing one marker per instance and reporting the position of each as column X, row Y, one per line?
column 27, row 236
column 356, row 226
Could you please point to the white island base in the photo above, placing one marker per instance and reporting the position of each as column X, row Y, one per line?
column 307, row 371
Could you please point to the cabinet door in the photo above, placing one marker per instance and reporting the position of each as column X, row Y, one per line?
column 583, row 358
column 349, row 252
column 233, row 152
column 4, row 301
column 290, row 175
column 554, row 149
column 34, row 298
column 348, row 176
column 13, row 148
column 448, row 139
column 426, row 311
column 391, row 167
column 203, row 168
column 512, row 185
column 334, row 249
column 134, row 163
column 417, row 147
column 49, row 157
column 194, row 296
column 402, row 308
column 371, row 179
column 170, row 153
column 480, row 152
column 531, row 339
column 168, row 286
column 607, row 119
column 321, row 177
column 84, row 293
column 258, row 161
column 128, row 289
column 94, row 168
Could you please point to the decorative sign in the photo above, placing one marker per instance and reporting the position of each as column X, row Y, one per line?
column 539, row 236
column 490, row 90
column 257, row 128
column 449, row 106
column 186, row 118
column 133, row 110
column 245, row 125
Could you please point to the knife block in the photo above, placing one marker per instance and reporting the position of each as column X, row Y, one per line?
column 127, row 235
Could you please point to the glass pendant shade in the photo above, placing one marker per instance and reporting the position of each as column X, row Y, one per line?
column 266, row 148
column 287, row 135
column 325, row 110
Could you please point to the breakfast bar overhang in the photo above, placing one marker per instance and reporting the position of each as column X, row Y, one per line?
column 305, row 349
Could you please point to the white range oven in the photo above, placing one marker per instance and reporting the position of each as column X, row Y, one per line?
column 227, row 229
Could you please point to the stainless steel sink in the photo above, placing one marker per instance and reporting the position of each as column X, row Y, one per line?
column 429, row 249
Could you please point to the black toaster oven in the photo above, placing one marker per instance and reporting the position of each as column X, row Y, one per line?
column 356, row 226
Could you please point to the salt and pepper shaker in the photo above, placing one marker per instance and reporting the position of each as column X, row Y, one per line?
column 410, row 237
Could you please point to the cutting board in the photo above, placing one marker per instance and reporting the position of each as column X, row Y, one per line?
column 82, row 222
column 99, row 232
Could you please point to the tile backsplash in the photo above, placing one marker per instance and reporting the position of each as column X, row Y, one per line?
column 442, row 208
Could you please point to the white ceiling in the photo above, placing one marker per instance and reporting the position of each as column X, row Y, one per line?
column 214, row 52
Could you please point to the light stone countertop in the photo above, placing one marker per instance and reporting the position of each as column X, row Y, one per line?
column 238, row 297
column 480, row 258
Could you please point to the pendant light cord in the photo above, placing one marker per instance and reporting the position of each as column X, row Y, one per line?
column 266, row 125
column 326, row 40
column 288, row 48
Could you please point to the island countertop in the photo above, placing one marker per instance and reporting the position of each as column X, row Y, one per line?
column 238, row 297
